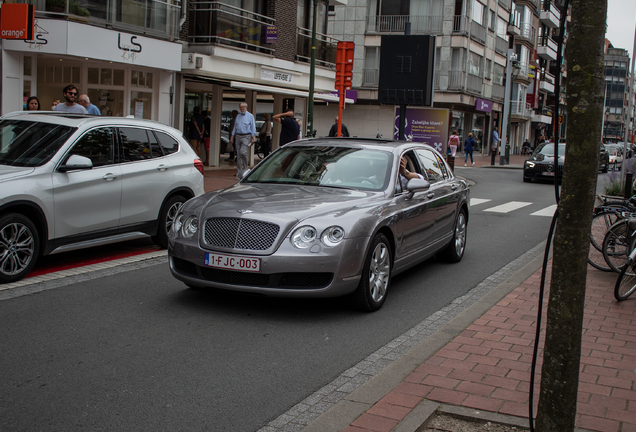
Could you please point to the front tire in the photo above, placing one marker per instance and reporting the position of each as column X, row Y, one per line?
column 455, row 249
column 19, row 247
column 626, row 283
column 166, row 218
column 376, row 276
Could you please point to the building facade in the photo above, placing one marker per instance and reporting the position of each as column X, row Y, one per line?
column 617, row 89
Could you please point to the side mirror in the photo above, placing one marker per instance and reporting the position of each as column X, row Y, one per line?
column 417, row 184
column 76, row 162
column 242, row 174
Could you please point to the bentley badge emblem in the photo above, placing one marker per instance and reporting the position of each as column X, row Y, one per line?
column 245, row 211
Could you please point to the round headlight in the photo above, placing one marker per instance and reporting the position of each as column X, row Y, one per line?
column 332, row 236
column 190, row 226
column 303, row 237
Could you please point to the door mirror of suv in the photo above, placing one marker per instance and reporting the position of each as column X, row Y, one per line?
column 76, row 162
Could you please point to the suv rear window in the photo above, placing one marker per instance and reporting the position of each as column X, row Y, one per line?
column 30, row 144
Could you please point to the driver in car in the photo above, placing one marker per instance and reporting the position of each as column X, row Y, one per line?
column 406, row 175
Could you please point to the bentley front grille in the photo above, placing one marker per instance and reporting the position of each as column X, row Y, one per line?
column 235, row 233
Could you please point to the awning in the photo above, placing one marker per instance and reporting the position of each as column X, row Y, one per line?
column 285, row 91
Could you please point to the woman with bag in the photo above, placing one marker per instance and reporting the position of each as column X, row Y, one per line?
column 453, row 143
column 469, row 146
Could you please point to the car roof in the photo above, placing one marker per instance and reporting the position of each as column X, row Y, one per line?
column 372, row 143
column 77, row 120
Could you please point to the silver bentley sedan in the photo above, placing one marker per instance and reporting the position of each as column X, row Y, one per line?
column 324, row 218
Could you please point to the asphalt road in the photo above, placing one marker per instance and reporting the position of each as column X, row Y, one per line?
column 137, row 350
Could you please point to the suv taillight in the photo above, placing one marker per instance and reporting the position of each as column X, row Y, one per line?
column 199, row 165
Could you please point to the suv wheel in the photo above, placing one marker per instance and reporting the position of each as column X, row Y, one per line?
column 19, row 246
column 166, row 218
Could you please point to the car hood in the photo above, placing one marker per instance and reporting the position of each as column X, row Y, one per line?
column 284, row 204
column 8, row 172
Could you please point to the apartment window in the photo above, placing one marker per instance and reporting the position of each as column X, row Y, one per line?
column 498, row 74
column 493, row 20
column 478, row 12
column 426, row 8
column 488, row 69
column 474, row 64
column 456, row 59
column 305, row 15
column 502, row 28
column 389, row 7
column 370, row 74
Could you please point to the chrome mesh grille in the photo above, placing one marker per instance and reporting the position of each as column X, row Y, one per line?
column 235, row 233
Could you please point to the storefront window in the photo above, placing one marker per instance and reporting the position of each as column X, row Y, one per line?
column 27, row 66
column 109, row 102
column 141, row 104
column 478, row 130
column 141, row 79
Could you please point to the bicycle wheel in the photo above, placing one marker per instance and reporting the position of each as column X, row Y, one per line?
column 601, row 222
column 626, row 282
column 616, row 245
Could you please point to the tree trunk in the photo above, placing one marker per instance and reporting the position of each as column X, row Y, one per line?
column 562, row 351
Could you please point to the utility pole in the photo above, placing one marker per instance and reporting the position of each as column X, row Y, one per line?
column 312, row 73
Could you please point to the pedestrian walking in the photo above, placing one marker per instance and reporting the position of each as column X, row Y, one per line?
column 290, row 129
column 265, row 135
column 70, row 94
column 333, row 132
column 494, row 145
column 206, row 136
column 453, row 143
column 196, row 130
column 55, row 103
column 243, row 136
column 91, row 109
column 469, row 147
column 33, row 104
column 230, row 146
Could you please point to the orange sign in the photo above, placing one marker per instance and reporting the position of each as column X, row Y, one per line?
column 16, row 21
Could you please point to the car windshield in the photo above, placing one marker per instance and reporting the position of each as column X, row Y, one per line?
column 30, row 144
column 329, row 166
column 612, row 151
column 548, row 150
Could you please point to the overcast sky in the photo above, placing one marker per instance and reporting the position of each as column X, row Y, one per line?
column 621, row 18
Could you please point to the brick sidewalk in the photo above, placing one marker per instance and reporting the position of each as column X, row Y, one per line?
column 487, row 366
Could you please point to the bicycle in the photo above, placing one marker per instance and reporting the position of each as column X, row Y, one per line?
column 618, row 242
column 610, row 211
column 626, row 282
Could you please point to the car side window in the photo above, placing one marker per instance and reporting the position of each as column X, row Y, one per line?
column 411, row 166
column 135, row 144
column 97, row 145
column 433, row 166
column 155, row 148
column 168, row 143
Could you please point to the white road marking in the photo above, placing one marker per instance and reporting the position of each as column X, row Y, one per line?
column 548, row 211
column 508, row 207
column 477, row 201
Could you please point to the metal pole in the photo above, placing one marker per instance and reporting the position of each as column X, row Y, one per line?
column 629, row 128
column 505, row 132
column 603, row 123
column 312, row 74
column 402, row 121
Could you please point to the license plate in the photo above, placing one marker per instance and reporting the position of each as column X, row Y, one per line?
column 233, row 262
column 548, row 174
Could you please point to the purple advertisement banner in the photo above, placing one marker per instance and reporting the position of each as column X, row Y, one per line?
column 425, row 125
column 271, row 34
column 349, row 94
column 483, row 105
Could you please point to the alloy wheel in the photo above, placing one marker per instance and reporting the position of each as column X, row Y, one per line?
column 379, row 272
column 17, row 247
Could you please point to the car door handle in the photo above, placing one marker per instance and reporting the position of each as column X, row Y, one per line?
column 110, row 177
column 430, row 195
column 162, row 167
column 454, row 187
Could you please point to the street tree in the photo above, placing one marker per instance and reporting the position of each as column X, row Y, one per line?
column 562, row 350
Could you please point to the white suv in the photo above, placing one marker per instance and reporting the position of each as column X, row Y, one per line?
column 71, row 181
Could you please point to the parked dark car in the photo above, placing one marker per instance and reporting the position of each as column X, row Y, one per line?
column 540, row 165
column 324, row 218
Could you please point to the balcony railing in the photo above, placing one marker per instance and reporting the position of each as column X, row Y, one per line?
column 524, row 70
column 460, row 24
column 522, row 109
column 455, row 80
column 501, row 45
column 396, row 24
column 478, row 32
column 153, row 17
column 326, row 48
column 506, row 4
column 474, row 83
column 527, row 31
column 498, row 91
column 214, row 22
column 532, row 2
column 370, row 77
